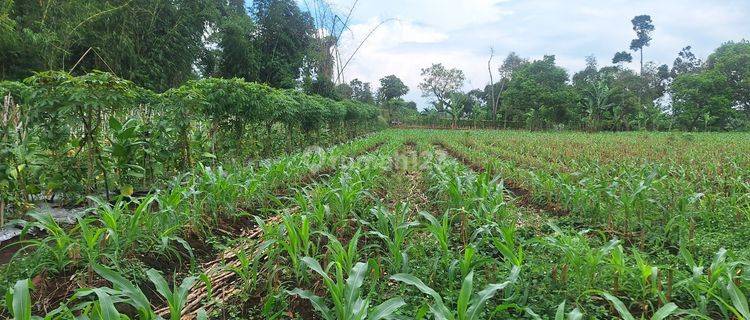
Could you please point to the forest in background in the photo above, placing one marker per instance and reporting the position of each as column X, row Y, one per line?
column 162, row 44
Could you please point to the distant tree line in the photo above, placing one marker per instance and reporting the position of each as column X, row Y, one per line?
column 711, row 95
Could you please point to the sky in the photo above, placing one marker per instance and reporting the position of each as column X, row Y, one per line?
column 459, row 34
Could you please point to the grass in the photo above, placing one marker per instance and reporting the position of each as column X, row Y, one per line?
column 422, row 224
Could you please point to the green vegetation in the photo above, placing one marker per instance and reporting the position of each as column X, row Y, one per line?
column 71, row 137
column 691, row 95
column 223, row 168
column 420, row 224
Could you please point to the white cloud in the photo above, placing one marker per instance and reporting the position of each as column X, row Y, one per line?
column 459, row 34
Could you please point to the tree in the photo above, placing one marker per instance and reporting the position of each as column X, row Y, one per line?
column 643, row 26
column 236, row 52
column 391, row 87
column 686, row 62
column 622, row 56
column 539, row 91
column 361, row 91
column 732, row 60
column 441, row 85
column 411, row 105
column 511, row 63
column 83, row 36
column 284, row 37
column 344, row 91
column 588, row 75
column 702, row 101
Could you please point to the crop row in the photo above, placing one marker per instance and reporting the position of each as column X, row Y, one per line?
column 645, row 235
column 63, row 138
column 169, row 230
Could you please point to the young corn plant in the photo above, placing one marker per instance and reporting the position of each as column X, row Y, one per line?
column 345, row 295
column 469, row 261
column 176, row 298
column 347, row 192
column 721, row 287
column 58, row 243
column 248, row 265
column 509, row 247
column 394, row 229
column 124, row 292
column 468, row 306
column 440, row 229
column 662, row 313
column 346, row 256
column 296, row 239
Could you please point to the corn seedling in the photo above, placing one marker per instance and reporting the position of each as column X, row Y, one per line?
column 345, row 295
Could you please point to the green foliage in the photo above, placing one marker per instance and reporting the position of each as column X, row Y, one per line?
column 75, row 136
column 703, row 101
column 346, row 294
column 468, row 306
column 391, row 87
column 538, row 93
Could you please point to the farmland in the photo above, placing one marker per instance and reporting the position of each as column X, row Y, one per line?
column 366, row 160
column 417, row 224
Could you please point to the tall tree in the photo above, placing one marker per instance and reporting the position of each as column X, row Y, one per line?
column 284, row 37
column 732, row 59
column 511, row 63
column 237, row 57
column 686, row 62
column 643, row 26
column 154, row 43
column 361, row 91
column 344, row 91
column 588, row 75
column 391, row 87
column 702, row 101
column 442, row 85
column 539, row 91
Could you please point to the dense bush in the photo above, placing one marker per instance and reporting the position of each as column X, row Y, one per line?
column 69, row 137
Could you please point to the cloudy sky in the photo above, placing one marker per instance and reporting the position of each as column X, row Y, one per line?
column 460, row 33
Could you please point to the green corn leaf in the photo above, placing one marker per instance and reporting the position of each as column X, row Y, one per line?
column 619, row 306
column 386, row 309
column 355, row 280
column 739, row 300
column 317, row 302
column 480, row 299
column 180, row 295
column 530, row 312
column 209, row 286
column 560, row 314
column 139, row 300
column 575, row 315
column 665, row 311
column 106, row 306
column 414, row 281
column 441, row 313
column 315, row 266
column 438, row 309
column 161, row 285
column 19, row 300
column 465, row 295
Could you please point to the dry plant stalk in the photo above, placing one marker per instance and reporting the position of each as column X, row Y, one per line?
column 223, row 280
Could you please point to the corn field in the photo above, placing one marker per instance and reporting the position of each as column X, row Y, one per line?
column 412, row 224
